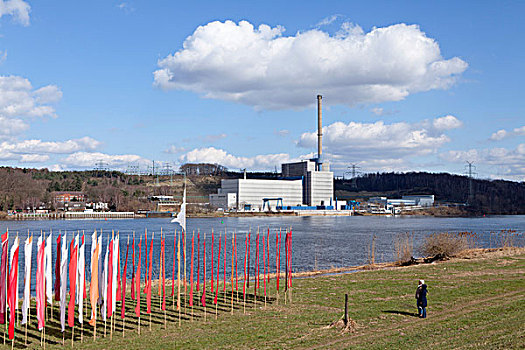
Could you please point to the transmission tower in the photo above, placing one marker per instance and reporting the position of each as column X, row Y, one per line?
column 470, row 173
column 354, row 172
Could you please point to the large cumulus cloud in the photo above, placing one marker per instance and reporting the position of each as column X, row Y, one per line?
column 265, row 69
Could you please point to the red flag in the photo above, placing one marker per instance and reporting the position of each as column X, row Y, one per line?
column 224, row 271
column 173, row 265
column 184, row 257
column 248, row 260
column 11, row 293
column 57, row 270
column 236, row 276
column 72, row 283
column 191, row 273
column 290, row 258
column 256, row 272
column 277, row 257
column 40, row 285
column 245, row 257
column 3, row 281
column 123, row 304
column 146, row 277
column 198, row 259
column 163, row 253
column 132, row 268
column 203, row 298
column 137, row 307
column 268, row 255
column 150, row 267
column 218, row 270
column 85, row 295
column 212, row 262
column 118, row 270
column 264, row 263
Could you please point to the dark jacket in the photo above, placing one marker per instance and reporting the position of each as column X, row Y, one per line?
column 421, row 295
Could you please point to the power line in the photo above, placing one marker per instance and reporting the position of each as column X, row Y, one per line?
column 470, row 173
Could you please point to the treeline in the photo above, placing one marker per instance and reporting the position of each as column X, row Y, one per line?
column 489, row 196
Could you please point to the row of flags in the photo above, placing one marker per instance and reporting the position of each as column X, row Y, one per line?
column 108, row 282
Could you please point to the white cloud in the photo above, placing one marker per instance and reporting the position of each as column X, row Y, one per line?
column 34, row 158
column 55, row 147
column 262, row 68
column 174, row 149
column 377, row 140
column 19, row 100
column 328, row 20
column 90, row 159
column 377, row 110
column 219, row 156
column 282, row 133
column 502, row 134
column 17, row 8
column 447, row 122
column 509, row 163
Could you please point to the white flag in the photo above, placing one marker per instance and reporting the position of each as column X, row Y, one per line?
column 105, row 286
column 28, row 249
column 81, row 271
column 181, row 216
column 48, row 265
column 14, row 247
column 63, row 282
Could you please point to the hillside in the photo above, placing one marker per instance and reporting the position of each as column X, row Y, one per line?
column 23, row 188
column 490, row 196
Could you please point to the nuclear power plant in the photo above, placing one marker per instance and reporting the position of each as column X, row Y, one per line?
column 304, row 185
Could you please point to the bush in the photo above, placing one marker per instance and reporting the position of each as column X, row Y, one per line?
column 403, row 246
column 447, row 244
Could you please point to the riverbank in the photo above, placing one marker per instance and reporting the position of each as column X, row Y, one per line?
column 475, row 301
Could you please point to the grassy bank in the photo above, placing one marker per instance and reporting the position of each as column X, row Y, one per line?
column 476, row 301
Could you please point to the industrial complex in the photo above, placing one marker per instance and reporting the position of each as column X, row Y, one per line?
column 305, row 185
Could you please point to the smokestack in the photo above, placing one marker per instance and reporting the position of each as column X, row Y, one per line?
column 319, row 132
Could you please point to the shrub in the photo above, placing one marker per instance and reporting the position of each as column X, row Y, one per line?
column 404, row 246
column 447, row 244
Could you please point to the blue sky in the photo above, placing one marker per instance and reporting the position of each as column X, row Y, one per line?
column 412, row 85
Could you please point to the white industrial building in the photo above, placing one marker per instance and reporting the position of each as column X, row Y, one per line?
column 305, row 183
column 423, row 200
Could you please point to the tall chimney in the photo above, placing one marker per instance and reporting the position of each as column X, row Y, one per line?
column 319, row 132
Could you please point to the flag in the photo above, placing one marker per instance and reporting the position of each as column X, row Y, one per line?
column 123, row 304
column 203, row 298
column 236, row 276
column 147, row 261
column 181, row 216
column 3, row 278
column 101, row 285
column 12, row 293
column 255, row 272
column 218, row 270
column 118, row 271
column 191, row 273
column 245, row 256
column 159, row 287
column 57, row 271
column 290, row 259
column 28, row 249
column 40, row 285
column 248, row 260
column 81, row 280
column 163, row 262
column 105, row 284
column 173, row 265
column 148, row 287
column 212, row 262
column 115, row 279
column 178, row 272
column 224, row 271
column 277, row 257
column 264, row 262
column 268, row 255
column 198, row 258
column 73, row 256
column 137, row 289
column 63, row 282
column 109, row 293
column 48, row 269
column 133, row 268
column 93, row 286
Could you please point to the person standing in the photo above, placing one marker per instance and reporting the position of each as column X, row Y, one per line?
column 421, row 297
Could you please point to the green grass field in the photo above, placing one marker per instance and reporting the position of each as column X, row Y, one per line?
column 473, row 303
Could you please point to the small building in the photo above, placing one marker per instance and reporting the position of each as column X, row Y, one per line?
column 68, row 196
column 224, row 201
column 423, row 200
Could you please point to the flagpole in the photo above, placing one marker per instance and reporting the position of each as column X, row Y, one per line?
column 178, row 276
column 231, row 271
